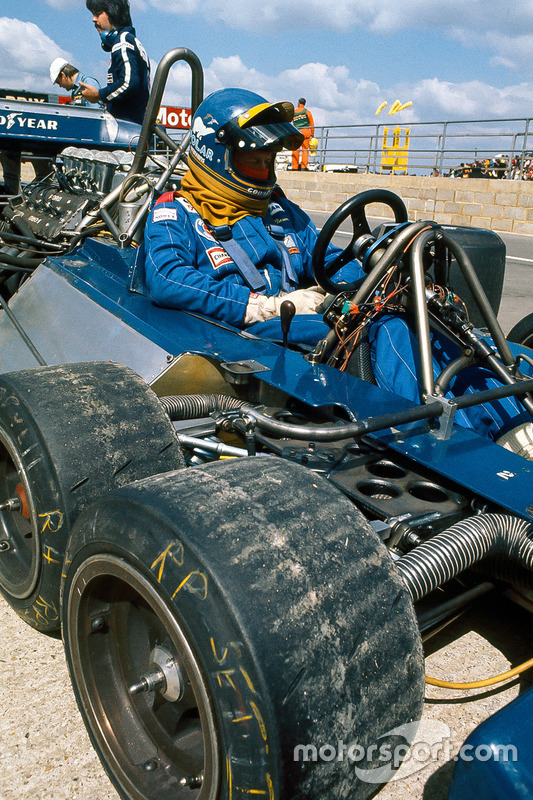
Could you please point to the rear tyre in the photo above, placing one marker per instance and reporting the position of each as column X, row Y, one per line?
column 522, row 332
column 68, row 434
column 217, row 619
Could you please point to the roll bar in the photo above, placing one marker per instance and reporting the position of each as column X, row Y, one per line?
column 156, row 95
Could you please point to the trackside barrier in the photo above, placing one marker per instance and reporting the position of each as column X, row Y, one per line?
column 467, row 148
column 502, row 206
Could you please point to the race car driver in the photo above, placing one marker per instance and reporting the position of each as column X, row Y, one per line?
column 231, row 246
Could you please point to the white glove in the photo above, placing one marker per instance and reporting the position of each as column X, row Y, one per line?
column 305, row 301
column 261, row 308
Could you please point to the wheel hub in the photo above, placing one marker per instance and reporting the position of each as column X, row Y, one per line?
column 163, row 676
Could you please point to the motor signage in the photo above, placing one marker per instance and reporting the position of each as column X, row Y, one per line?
column 174, row 117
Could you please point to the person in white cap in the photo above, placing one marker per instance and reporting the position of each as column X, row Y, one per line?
column 69, row 78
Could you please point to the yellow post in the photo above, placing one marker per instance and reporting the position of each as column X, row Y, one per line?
column 394, row 156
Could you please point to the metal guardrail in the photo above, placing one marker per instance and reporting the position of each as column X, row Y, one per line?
column 453, row 148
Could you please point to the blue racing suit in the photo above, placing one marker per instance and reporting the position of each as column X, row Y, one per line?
column 128, row 77
column 187, row 268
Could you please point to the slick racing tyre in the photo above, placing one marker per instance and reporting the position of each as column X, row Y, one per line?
column 68, row 434
column 522, row 332
column 225, row 623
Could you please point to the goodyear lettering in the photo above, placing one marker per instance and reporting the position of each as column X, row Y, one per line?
column 17, row 120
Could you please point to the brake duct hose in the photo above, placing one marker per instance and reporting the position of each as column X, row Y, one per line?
column 195, row 406
column 502, row 538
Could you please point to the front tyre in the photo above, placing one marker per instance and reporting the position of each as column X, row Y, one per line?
column 220, row 618
column 68, row 434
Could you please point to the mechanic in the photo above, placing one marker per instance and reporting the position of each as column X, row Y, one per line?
column 230, row 245
column 128, row 76
column 303, row 120
column 68, row 77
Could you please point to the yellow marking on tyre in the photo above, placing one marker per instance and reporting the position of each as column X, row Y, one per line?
column 248, row 680
column 227, row 675
column 230, row 781
column 200, row 591
column 47, row 557
column 214, row 649
column 259, row 718
column 50, row 523
column 167, row 553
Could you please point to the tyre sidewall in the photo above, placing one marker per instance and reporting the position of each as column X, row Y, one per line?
column 522, row 332
column 249, row 749
column 49, row 515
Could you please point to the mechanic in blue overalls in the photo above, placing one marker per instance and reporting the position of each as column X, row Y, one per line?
column 128, row 75
column 231, row 246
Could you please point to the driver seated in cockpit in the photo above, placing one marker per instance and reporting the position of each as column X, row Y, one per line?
column 231, row 246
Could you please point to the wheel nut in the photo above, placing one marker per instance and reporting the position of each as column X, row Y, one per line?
column 12, row 504
column 150, row 682
column 193, row 782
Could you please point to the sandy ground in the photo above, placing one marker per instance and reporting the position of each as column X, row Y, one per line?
column 45, row 752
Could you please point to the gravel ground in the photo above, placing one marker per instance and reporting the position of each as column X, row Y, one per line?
column 46, row 754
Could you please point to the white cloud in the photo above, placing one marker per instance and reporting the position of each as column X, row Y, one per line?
column 386, row 16
column 26, row 54
column 60, row 5
column 336, row 98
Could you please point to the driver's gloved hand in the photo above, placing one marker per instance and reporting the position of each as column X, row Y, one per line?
column 325, row 304
column 260, row 308
column 306, row 301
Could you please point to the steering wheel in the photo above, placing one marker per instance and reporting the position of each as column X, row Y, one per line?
column 361, row 239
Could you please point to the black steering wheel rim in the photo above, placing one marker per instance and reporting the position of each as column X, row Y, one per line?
column 354, row 208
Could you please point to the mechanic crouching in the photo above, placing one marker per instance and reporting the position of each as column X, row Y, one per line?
column 231, row 246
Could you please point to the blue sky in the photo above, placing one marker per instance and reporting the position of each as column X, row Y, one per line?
column 453, row 61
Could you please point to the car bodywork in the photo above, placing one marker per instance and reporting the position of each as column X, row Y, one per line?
column 410, row 471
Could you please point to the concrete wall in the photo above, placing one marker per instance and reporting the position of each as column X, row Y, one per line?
column 497, row 204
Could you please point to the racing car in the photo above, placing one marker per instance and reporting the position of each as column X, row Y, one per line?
column 244, row 542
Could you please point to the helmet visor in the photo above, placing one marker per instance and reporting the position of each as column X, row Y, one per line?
column 266, row 126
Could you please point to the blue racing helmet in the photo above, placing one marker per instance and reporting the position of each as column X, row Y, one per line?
column 230, row 121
